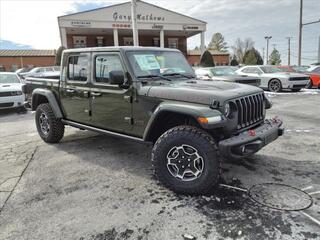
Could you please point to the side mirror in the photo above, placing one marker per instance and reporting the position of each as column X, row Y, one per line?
column 116, row 77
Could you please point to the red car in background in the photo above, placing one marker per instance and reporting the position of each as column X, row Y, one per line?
column 314, row 74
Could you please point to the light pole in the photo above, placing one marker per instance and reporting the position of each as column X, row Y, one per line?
column 134, row 22
column 289, row 50
column 267, row 55
column 300, row 31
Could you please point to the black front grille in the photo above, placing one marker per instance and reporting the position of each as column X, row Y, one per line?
column 5, row 94
column 9, row 104
column 249, row 81
column 298, row 78
column 251, row 110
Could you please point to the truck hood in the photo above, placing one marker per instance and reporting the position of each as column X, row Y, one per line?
column 200, row 91
column 6, row 87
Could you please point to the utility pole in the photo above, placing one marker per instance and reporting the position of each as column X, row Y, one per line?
column 319, row 51
column 267, row 57
column 289, row 50
column 300, row 33
column 263, row 55
column 134, row 22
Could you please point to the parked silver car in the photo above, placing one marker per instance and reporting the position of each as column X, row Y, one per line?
column 227, row 74
column 43, row 72
column 274, row 79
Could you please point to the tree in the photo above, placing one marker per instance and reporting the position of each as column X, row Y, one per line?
column 275, row 57
column 206, row 60
column 234, row 61
column 57, row 60
column 240, row 47
column 218, row 43
column 252, row 57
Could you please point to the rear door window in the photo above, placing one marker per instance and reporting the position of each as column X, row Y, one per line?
column 78, row 68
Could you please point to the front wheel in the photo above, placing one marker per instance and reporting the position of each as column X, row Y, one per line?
column 186, row 160
column 309, row 85
column 50, row 128
column 275, row 85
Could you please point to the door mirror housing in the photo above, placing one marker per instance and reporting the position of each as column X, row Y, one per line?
column 116, row 77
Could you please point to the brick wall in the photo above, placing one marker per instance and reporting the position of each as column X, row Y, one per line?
column 37, row 61
column 219, row 60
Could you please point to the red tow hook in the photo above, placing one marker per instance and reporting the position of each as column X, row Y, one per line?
column 252, row 133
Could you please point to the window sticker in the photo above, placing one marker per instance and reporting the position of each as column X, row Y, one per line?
column 147, row 62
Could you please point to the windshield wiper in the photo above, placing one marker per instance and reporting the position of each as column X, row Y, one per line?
column 178, row 74
column 155, row 76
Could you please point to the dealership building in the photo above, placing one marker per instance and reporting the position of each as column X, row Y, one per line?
column 111, row 26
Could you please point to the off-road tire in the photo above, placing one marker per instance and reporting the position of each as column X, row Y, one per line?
column 207, row 148
column 271, row 89
column 56, row 130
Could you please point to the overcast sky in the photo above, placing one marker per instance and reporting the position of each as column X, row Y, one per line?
column 33, row 24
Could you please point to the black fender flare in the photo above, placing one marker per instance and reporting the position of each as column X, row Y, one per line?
column 189, row 109
column 52, row 100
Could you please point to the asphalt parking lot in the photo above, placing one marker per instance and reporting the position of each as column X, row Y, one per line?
column 91, row 186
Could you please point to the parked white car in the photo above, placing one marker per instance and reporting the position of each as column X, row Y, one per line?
column 274, row 79
column 11, row 95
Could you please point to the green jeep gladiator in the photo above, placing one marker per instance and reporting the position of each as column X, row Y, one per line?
column 151, row 95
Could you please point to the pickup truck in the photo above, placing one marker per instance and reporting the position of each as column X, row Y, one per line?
column 151, row 95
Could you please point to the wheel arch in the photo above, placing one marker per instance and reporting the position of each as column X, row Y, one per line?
column 169, row 115
column 40, row 96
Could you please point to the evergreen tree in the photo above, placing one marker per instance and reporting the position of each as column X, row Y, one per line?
column 252, row 57
column 234, row 61
column 218, row 43
column 206, row 60
column 275, row 58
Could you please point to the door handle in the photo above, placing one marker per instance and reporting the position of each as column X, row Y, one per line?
column 95, row 94
column 69, row 90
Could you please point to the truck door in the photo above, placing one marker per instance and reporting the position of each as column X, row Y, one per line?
column 75, row 88
column 111, row 104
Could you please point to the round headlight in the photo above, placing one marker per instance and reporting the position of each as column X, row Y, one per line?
column 227, row 109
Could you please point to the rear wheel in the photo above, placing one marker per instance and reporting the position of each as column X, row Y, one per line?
column 275, row 85
column 186, row 160
column 50, row 128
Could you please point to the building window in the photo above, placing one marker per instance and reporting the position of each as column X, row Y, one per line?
column 77, row 68
column 173, row 43
column 100, row 42
column 127, row 41
column 156, row 42
column 79, row 42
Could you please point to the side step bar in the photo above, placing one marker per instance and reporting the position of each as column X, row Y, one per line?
column 103, row 131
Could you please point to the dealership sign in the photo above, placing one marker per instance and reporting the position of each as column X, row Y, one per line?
column 140, row 17
column 81, row 23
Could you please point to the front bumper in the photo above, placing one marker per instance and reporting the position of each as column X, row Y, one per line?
column 296, row 84
column 251, row 141
column 12, row 101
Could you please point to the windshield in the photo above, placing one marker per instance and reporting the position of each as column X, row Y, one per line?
column 9, row 78
column 223, row 71
column 270, row 69
column 159, row 63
